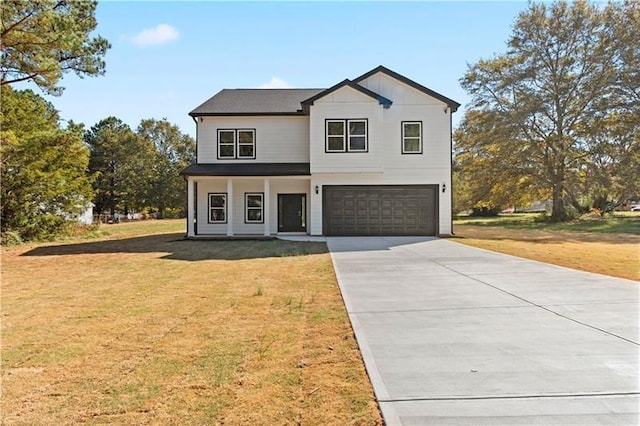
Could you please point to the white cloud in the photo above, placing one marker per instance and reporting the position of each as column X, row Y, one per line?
column 276, row 83
column 162, row 33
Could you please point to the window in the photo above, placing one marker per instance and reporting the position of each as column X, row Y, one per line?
column 346, row 136
column 335, row 136
column 254, row 208
column 226, row 144
column 412, row 137
column 246, row 144
column 218, row 208
column 236, row 144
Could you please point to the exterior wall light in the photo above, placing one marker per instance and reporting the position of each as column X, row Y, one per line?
column 317, row 189
column 444, row 187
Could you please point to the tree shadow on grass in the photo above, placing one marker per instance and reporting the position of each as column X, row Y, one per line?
column 177, row 248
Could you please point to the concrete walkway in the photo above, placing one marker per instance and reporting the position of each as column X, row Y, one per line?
column 451, row 334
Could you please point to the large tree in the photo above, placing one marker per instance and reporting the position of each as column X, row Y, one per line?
column 121, row 164
column 491, row 168
column 42, row 39
column 43, row 167
column 568, row 68
column 173, row 152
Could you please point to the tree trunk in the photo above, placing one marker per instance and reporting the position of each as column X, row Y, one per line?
column 558, row 213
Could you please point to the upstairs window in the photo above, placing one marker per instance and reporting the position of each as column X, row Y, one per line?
column 226, row 144
column 412, row 137
column 236, row 144
column 346, row 136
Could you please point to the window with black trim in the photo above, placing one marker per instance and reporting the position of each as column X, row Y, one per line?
column 218, row 207
column 254, row 207
column 236, row 144
column 412, row 137
column 346, row 135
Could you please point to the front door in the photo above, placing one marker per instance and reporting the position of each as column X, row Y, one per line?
column 292, row 212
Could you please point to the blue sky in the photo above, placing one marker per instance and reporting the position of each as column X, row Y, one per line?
column 168, row 57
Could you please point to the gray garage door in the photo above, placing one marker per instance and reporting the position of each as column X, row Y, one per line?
column 380, row 210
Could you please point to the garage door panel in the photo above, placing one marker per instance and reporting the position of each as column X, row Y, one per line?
column 380, row 210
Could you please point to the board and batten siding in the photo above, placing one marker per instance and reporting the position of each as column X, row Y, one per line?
column 279, row 139
column 346, row 103
column 385, row 164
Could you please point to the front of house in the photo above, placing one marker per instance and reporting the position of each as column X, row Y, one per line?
column 369, row 156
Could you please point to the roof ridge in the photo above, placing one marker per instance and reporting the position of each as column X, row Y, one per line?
column 276, row 88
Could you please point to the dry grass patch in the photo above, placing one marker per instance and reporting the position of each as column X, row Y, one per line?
column 614, row 254
column 151, row 329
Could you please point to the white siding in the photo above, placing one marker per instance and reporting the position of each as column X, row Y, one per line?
column 289, row 139
column 202, row 214
column 241, row 186
column 385, row 164
column 346, row 103
column 279, row 139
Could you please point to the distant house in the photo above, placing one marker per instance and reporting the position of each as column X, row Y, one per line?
column 86, row 217
column 369, row 156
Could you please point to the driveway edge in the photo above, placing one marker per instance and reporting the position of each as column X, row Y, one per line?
column 389, row 413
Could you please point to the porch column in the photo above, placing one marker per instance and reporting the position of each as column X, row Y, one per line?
column 230, row 207
column 190, row 207
column 266, row 209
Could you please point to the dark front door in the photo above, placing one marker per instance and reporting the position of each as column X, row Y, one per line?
column 292, row 212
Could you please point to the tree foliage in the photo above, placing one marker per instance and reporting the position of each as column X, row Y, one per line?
column 43, row 39
column 43, row 167
column 136, row 171
column 173, row 152
column 120, row 163
column 548, row 115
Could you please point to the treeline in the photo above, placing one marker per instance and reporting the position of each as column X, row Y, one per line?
column 556, row 117
column 51, row 174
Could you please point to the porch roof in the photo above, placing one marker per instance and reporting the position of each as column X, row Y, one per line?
column 248, row 169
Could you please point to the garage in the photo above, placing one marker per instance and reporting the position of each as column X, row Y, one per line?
column 380, row 210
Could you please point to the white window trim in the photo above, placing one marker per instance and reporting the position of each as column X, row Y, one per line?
column 232, row 144
column 366, row 136
column 405, row 138
column 237, row 144
column 343, row 136
column 247, row 208
column 210, row 208
column 346, row 135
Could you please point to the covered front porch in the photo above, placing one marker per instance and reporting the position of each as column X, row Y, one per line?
column 247, row 205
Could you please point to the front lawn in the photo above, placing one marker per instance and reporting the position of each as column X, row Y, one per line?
column 606, row 246
column 142, row 327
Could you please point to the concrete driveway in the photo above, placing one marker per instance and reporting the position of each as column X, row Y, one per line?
column 451, row 334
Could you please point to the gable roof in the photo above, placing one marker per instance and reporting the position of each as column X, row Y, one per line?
column 255, row 102
column 453, row 104
column 348, row 83
column 243, row 102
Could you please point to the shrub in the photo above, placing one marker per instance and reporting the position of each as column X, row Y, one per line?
column 10, row 238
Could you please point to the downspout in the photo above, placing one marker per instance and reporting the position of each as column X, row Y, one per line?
column 451, row 166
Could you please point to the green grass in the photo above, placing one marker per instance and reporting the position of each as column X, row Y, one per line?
column 620, row 223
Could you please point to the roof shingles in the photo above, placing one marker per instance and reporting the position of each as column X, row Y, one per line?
column 236, row 102
column 255, row 102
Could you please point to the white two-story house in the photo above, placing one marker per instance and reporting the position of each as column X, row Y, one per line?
column 369, row 156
